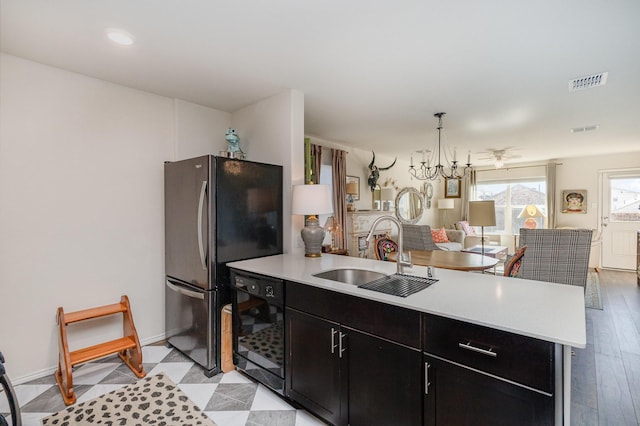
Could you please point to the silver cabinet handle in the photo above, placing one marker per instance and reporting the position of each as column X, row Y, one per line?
column 203, row 259
column 340, row 342
column 468, row 346
column 427, row 383
column 333, row 340
column 185, row 292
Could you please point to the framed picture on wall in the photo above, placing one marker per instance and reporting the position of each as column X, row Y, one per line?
column 452, row 188
column 574, row 201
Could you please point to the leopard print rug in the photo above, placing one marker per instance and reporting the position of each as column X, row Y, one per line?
column 153, row 400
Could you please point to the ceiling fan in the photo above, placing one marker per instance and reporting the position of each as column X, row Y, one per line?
column 499, row 156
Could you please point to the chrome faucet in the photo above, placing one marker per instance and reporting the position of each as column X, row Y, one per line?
column 400, row 259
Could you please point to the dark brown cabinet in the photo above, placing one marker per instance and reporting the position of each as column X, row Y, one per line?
column 457, row 395
column 481, row 376
column 354, row 361
column 347, row 375
column 385, row 382
column 313, row 366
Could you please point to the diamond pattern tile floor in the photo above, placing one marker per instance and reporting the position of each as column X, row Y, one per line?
column 229, row 399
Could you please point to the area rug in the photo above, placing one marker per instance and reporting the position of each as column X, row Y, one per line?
column 592, row 296
column 154, row 400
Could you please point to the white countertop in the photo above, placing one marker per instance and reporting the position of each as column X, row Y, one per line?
column 547, row 311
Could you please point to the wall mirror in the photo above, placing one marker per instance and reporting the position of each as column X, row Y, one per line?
column 409, row 205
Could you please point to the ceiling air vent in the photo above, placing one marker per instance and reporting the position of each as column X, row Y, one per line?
column 585, row 129
column 588, row 82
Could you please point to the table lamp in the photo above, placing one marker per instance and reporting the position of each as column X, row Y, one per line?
column 387, row 195
column 332, row 226
column 530, row 212
column 445, row 204
column 311, row 200
column 352, row 189
column 482, row 213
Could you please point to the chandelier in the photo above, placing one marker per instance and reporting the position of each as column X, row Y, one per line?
column 431, row 167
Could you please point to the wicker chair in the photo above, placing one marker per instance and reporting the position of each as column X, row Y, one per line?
column 556, row 255
column 418, row 237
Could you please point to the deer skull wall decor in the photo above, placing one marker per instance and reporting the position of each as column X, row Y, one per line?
column 374, row 172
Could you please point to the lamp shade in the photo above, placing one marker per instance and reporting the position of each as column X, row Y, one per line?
column 387, row 194
column 311, row 200
column 530, row 211
column 482, row 213
column 445, row 203
column 352, row 188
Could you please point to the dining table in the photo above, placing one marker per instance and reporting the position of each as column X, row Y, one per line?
column 456, row 260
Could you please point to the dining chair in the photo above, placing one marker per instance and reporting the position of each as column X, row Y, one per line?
column 383, row 246
column 513, row 265
column 556, row 255
column 418, row 237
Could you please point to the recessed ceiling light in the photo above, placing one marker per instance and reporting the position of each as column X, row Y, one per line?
column 119, row 36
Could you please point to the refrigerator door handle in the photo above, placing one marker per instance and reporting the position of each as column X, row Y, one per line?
column 184, row 291
column 203, row 259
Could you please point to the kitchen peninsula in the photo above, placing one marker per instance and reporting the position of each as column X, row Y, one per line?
column 502, row 343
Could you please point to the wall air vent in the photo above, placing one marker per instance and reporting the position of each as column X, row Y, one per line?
column 585, row 129
column 588, row 82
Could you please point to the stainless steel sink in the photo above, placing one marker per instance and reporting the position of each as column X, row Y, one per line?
column 350, row 276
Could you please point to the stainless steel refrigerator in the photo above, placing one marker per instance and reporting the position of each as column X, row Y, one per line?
column 217, row 210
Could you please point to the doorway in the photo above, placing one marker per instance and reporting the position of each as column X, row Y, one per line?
column 620, row 217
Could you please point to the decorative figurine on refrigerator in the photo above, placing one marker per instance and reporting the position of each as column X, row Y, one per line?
column 233, row 150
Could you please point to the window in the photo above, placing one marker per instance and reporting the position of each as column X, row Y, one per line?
column 511, row 196
column 625, row 199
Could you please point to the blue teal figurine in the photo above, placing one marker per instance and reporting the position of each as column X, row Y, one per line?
column 234, row 144
column 233, row 140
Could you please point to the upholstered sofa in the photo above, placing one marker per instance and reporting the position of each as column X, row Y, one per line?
column 418, row 237
column 469, row 236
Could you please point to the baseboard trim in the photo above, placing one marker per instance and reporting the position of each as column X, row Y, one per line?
column 50, row 370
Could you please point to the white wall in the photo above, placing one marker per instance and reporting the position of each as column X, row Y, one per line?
column 81, row 198
column 81, row 221
column 583, row 173
column 573, row 173
column 357, row 165
column 199, row 130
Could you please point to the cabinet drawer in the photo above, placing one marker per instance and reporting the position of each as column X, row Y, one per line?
column 389, row 322
column 518, row 358
column 316, row 301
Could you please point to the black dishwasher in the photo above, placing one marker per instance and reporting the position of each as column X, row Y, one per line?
column 258, row 328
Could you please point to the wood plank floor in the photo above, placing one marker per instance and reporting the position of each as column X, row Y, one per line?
column 605, row 376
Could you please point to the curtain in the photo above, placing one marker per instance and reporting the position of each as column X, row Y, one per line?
column 551, row 195
column 469, row 193
column 316, row 157
column 339, row 171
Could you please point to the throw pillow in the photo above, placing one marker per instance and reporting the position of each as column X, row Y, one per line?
column 439, row 236
column 468, row 229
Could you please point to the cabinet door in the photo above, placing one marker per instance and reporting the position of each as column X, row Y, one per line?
column 385, row 382
column 456, row 395
column 313, row 364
